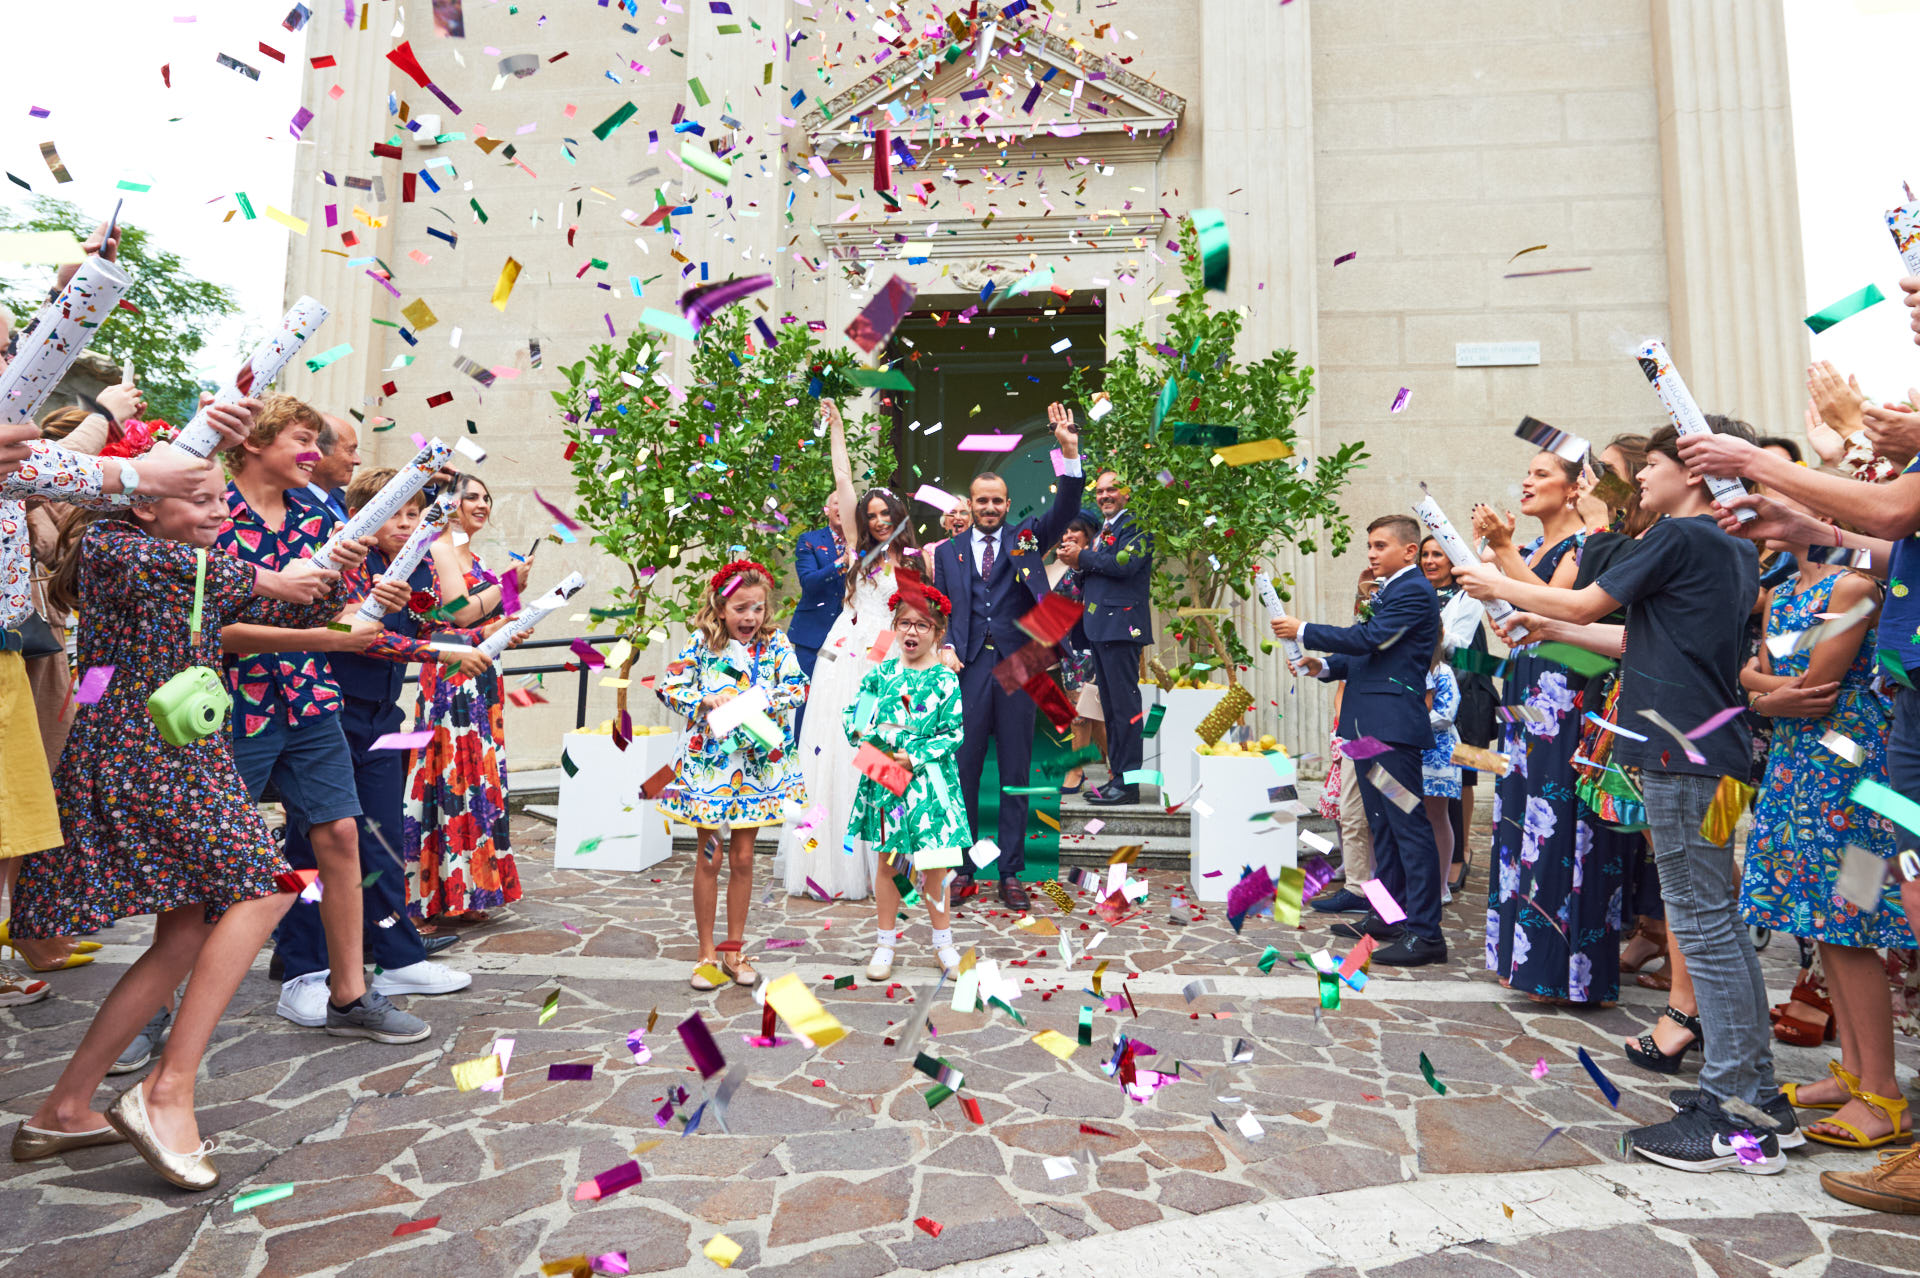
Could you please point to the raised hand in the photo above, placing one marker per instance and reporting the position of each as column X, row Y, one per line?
column 1829, row 445
column 1064, row 431
column 1895, row 432
column 1538, row 629
column 1721, row 456
column 1910, row 286
column 234, row 421
column 122, row 401
column 1494, row 526
column 15, row 446
column 1774, row 522
column 1837, row 399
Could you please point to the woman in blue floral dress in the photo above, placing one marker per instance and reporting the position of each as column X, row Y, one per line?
column 1553, row 917
column 1803, row 823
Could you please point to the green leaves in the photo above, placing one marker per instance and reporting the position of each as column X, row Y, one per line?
column 1211, row 524
column 676, row 479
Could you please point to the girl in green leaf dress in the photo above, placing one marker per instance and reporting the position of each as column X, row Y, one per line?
column 909, row 806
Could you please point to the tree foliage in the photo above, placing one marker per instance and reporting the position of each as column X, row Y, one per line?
column 674, row 487
column 166, row 332
column 1213, row 523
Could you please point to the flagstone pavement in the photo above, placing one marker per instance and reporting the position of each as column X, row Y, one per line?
column 834, row 1164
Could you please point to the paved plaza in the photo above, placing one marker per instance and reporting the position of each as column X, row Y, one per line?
column 1352, row 1164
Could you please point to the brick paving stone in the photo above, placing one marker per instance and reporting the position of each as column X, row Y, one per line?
column 328, row 1199
column 346, row 1156
column 1597, row 1253
column 654, row 1240
column 1195, row 1151
column 1453, row 1263
column 968, row 1153
column 826, row 1205
column 492, row 1200
column 1774, row 1238
column 1328, row 1169
column 455, row 1158
column 854, row 1260
column 1483, row 1134
column 852, row 1151
column 297, row 1252
column 1195, row 1194
column 1886, row 1250
column 505, row 1249
column 137, row 1252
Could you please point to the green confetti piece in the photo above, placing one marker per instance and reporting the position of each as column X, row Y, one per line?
column 698, row 90
column 1330, row 1001
column 551, row 1006
column 664, row 322
column 1086, row 1027
column 1154, row 716
column 1210, row 234
column 369, row 880
column 587, row 845
column 1891, row 804
column 703, row 161
column 605, row 128
column 478, row 211
column 937, row 1093
column 1168, row 394
column 124, row 185
column 259, row 1197
column 842, row 982
column 727, row 28
column 1852, row 304
column 1268, row 959
column 246, row 205
column 1200, row 433
column 880, row 378
column 567, row 765
column 1894, row 667
column 1473, row 661
column 1426, row 1072
column 325, row 358
column 1006, row 1007
column 1578, row 660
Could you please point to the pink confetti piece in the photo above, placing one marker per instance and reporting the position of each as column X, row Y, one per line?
column 559, row 515
column 611, row 1262
column 1714, row 722
column 779, row 943
column 989, row 443
column 1382, row 900
column 1400, row 400
column 609, row 1182
column 93, row 685
column 404, row 740
column 1539, row 1069
column 637, row 1044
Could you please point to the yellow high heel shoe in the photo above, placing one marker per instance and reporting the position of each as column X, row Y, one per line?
column 72, row 960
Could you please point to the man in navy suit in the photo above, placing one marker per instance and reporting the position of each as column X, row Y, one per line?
column 995, row 575
column 1118, row 572
column 1385, row 660
column 339, row 447
column 820, row 559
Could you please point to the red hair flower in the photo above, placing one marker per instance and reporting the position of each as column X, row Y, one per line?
column 734, row 569
column 936, row 601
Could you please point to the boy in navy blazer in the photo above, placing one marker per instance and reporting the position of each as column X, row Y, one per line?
column 1118, row 570
column 1384, row 661
column 819, row 558
column 995, row 575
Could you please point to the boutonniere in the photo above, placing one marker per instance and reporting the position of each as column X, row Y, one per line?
column 1027, row 543
column 1366, row 611
column 421, row 603
column 1106, row 539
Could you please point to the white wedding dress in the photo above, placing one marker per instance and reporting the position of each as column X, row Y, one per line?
column 826, row 758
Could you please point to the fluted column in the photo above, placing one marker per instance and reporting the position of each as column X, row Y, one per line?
column 1256, row 157
column 1736, row 285
column 342, row 134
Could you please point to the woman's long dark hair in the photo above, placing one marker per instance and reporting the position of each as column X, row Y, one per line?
column 905, row 540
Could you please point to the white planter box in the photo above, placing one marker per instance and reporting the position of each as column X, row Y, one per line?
column 601, row 800
column 1186, row 707
column 1226, row 839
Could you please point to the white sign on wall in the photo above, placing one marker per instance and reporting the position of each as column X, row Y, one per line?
column 1494, row 354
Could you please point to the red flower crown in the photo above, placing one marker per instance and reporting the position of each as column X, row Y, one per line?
column 940, row 602
column 735, row 568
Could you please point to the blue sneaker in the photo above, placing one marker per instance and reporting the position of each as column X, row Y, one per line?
column 1345, row 901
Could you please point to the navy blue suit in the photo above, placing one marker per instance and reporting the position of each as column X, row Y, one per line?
column 983, row 631
column 1118, row 623
column 1384, row 661
column 370, row 689
column 823, row 593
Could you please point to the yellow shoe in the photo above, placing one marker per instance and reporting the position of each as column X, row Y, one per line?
column 1894, row 1107
column 72, row 959
column 86, row 947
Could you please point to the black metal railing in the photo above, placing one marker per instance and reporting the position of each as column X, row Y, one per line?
column 580, row 667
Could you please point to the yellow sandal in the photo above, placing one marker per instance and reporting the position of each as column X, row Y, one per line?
column 1792, row 1090
column 1892, row 1106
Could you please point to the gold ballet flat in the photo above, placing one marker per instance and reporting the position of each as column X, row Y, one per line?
column 30, row 1143
column 188, row 1171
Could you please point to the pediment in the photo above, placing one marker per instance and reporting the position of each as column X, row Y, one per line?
column 922, row 97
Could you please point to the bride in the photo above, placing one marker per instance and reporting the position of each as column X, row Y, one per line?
column 880, row 539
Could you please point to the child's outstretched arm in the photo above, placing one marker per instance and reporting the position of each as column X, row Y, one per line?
column 789, row 688
column 679, row 687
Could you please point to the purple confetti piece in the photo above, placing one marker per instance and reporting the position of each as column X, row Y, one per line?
column 611, row 1262
column 700, row 304
column 637, row 1044
column 776, row 943
column 700, row 1045
column 38, row 113
column 1539, row 1069
column 301, row 119
column 589, row 655
column 1364, row 748
column 1400, row 400
column 1549, row 1136
column 824, row 895
column 1346, row 257
column 1746, row 1146
column 569, row 1073
column 610, row 1181
column 93, row 685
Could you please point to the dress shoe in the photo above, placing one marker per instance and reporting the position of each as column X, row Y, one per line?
column 276, row 970
column 1115, row 795
column 31, row 1142
column 1345, row 901
column 188, row 1171
column 438, row 941
column 1372, row 925
column 1014, row 895
column 964, row 887
column 1411, row 951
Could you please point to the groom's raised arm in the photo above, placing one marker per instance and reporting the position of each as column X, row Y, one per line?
column 1050, row 527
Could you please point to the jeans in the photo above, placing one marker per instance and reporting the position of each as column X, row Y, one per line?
column 1702, row 888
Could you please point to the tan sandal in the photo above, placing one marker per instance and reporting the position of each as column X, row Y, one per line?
column 1892, row 1106
column 740, row 970
column 703, row 973
column 1792, row 1090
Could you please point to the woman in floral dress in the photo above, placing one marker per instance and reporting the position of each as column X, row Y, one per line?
column 1804, row 821
column 456, row 831
column 1553, row 917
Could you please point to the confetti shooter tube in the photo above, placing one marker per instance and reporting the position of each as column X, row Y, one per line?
column 399, row 490
column 1904, row 222
column 414, row 551
column 1459, row 552
column 65, row 326
column 1276, row 610
column 1684, row 413
column 496, row 644
column 259, row 372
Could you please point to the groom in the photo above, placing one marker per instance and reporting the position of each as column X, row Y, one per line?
column 994, row 575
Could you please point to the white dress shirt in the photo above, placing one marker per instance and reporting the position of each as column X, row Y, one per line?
column 978, row 545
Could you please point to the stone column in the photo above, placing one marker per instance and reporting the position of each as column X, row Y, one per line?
column 1256, row 157
column 1737, row 291
column 341, row 136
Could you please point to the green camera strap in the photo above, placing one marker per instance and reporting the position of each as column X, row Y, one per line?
column 199, row 593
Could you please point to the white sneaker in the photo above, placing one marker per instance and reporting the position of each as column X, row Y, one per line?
column 421, row 978
column 949, row 961
column 1446, row 896
column 303, row 1000
column 882, row 965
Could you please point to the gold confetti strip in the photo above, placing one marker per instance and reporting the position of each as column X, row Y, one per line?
column 52, row 157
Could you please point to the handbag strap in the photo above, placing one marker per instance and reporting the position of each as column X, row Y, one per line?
column 199, row 593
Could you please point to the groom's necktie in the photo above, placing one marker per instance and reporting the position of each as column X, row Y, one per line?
column 986, row 555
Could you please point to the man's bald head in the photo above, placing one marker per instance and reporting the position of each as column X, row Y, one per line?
column 339, row 452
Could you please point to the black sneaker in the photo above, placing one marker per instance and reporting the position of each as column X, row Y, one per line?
column 1787, row 1130
column 1701, row 1137
column 1371, row 925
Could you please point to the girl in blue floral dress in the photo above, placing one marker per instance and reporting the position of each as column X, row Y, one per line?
column 1803, row 823
column 746, row 777
column 1553, row 917
column 153, row 828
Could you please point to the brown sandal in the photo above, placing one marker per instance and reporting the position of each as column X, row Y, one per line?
column 740, row 969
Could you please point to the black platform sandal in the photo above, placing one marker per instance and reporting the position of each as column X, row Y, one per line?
column 1647, row 1054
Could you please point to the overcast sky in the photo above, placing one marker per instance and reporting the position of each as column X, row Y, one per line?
column 96, row 68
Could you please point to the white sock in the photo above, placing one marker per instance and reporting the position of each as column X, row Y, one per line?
column 887, row 939
column 942, row 938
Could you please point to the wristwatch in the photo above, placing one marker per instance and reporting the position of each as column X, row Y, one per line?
column 129, row 479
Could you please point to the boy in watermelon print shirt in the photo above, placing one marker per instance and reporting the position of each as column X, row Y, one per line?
column 286, row 716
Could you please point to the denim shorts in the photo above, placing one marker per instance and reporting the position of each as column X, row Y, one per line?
column 310, row 765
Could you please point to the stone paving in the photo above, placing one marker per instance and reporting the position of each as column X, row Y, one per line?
column 832, row 1155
